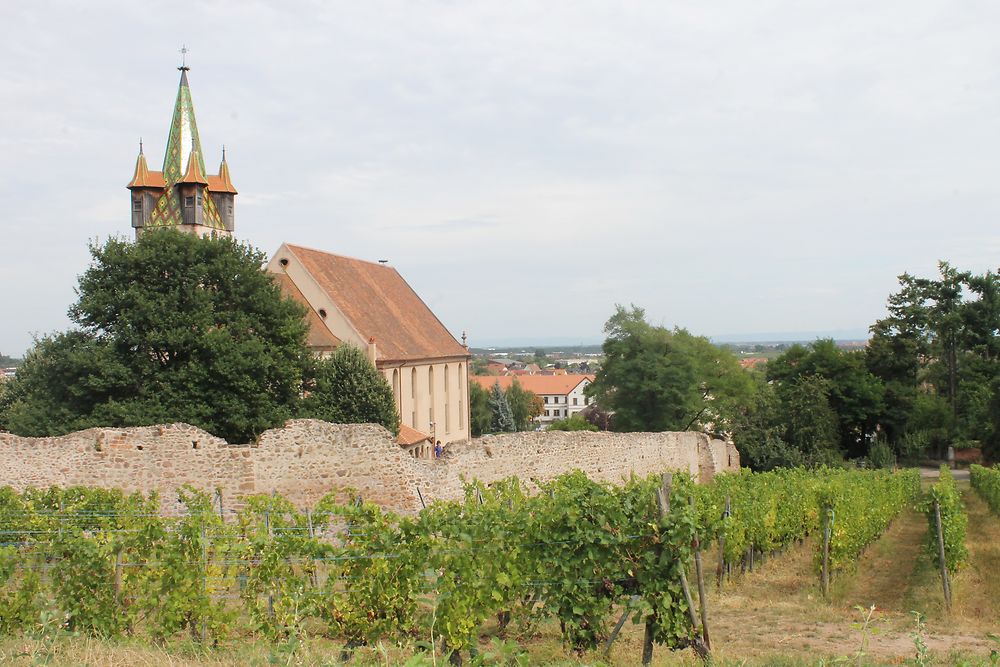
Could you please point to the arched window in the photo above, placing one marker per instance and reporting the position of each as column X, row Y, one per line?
column 413, row 397
column 430, row 393
column 447, row 402
column 395, row 384
column 461, row 401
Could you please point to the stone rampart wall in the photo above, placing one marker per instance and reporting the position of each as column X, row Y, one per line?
column 306, row 459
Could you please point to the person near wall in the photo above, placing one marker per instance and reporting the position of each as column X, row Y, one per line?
column 438, row 450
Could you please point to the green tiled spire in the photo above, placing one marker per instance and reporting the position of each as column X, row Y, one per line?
column 182, row 144
column 183, row 135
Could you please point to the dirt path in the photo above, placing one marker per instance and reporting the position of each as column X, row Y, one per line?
column 779, row 609
column 886, row 570
column 977, row 586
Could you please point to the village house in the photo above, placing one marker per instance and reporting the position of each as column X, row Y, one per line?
column 562, row 395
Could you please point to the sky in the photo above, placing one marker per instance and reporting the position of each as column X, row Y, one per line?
column 735, row 168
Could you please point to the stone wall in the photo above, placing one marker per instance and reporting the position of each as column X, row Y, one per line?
column 306, row 459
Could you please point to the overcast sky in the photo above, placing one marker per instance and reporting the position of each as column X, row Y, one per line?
column 733, row 167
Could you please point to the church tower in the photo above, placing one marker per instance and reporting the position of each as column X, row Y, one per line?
column 183, row 196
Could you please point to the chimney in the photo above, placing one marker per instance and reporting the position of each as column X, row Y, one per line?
column 371, row 350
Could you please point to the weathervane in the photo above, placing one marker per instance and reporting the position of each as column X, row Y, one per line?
column 184, row 50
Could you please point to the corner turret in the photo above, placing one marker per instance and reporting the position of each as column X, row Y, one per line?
column 146, row 187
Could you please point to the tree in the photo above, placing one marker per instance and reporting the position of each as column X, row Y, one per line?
column 479, row 409
column 655, row 379
column 939, row 343
column 855, row 395
column 172, row 327
column 759, row 431
column 524, row 405
column 346, row 388
column 502, row 419
column 810, row 423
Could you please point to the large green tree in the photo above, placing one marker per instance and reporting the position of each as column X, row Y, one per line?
column 939, row 344
column 346, row 388
column 171, row 327
column 657, row 379
column 855, row 395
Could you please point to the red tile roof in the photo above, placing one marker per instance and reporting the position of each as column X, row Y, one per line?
column 193, row 173
column 410, row 436
column 154, row 179
column 380, row 304
column 540, row 384
column 142, row 177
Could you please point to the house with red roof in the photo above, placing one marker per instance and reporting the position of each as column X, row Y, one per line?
column 562, row 395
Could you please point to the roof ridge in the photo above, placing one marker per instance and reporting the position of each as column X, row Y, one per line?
column 334, row 254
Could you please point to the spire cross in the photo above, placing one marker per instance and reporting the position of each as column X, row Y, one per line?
column 223, row 152
column 140, row 145
column 184, row 50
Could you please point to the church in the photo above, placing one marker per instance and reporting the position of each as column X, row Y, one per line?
column 349, row 301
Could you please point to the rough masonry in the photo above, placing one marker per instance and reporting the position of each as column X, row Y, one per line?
column 306, row 459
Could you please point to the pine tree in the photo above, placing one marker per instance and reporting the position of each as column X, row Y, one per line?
column 503, row 418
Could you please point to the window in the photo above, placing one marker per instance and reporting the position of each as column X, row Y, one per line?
column 546, row 400
column 199, row 199
column 395, row 383
column 461, row 412
column 586, row 400
column 230, row 209
column 546, row 413
column 447, row 402
column 575, row 400
column 136, row 204
column 188, row 202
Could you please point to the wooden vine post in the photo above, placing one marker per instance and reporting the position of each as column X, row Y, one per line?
column 702, row 598
column 663, row 505
column 720, row 572
column 827, row 532
column 270, row 536
column 700, row 646
column 946, row 584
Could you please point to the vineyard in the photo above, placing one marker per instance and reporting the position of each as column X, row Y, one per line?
column 580, row 556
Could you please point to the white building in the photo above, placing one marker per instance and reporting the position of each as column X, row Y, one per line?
column 562, row 395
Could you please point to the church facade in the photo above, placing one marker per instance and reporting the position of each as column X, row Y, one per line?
column 182, row 195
